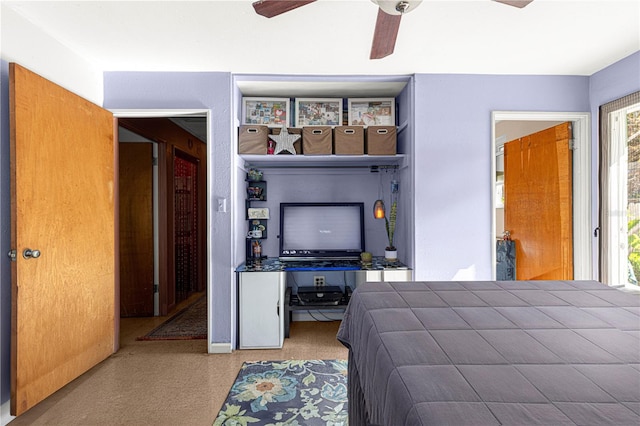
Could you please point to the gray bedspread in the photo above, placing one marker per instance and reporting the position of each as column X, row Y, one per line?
column 489, row 353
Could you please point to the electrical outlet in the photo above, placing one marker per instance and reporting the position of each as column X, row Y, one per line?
column 318, row 280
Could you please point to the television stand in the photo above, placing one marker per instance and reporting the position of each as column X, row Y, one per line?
column 262, row 283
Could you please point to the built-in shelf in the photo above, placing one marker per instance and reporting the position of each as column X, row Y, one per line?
column 309, row 171
column 266, row 161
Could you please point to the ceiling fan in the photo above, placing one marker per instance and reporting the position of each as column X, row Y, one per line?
column 387, row 24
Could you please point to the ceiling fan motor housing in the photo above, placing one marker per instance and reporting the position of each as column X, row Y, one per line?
column 397, row 7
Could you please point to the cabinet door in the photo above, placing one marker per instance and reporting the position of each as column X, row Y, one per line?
column 261, row 313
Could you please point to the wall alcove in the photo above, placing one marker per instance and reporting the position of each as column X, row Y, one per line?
column 328, row 178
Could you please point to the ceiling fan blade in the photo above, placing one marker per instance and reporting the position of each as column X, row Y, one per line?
column 384, row 36
column 516, row 3
column 271, row 8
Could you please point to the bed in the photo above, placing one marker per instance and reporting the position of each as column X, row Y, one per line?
column 490, row 353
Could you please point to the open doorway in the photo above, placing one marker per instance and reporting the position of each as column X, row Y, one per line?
column 173, row 207
column 518, row 124
column 162, row 232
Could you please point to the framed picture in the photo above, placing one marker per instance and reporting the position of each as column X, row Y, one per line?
column 372, row 112
column 318, row 112
column 272, row 112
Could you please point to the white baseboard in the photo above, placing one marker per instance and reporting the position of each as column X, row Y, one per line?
column 219, row 348
column 5, row 417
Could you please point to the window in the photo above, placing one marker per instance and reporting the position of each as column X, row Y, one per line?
column 620, row 191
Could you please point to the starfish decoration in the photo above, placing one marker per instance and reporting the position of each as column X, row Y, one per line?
column 284, row 141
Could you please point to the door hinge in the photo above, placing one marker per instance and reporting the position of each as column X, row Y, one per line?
column 13, row 255
column 572, row 139
column 156, row 288
column 154, row 161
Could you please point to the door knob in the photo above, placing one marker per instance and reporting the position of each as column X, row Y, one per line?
column 28, row 254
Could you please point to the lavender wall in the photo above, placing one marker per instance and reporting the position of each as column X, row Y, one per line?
column 453, row 162
column 157, row 90
column 614, row 82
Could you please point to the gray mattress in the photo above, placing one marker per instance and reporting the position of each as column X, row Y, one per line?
column 488, row 353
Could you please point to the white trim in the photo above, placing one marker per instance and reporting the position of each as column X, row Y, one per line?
column 583, row 260
column 219, row 348
column 617, row 256
column 5, row 409
column 159, row 113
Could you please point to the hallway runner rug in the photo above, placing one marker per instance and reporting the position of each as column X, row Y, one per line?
column 297, row 392
column 188, row 324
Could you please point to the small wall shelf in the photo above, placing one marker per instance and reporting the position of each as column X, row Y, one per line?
column 256, row 191
column 260, row 224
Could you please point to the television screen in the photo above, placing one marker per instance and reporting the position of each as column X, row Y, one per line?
column 321, row 230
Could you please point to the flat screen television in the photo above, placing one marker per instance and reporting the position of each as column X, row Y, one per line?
column 321, row 231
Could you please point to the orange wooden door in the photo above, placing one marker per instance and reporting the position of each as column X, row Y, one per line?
column 538, row 203
column 62, row 204
column 136, row 229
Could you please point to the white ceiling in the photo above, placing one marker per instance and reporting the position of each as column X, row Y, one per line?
column 563, row 37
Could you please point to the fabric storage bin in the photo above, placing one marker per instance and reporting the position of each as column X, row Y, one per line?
column 297, row 145
column 317, row 140
column 253, row 139
column 381, row 140
column 348, row 140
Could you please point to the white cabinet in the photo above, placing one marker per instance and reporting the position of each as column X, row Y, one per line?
column 261, row 309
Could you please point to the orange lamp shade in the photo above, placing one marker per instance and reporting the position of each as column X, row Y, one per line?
column 378, row 209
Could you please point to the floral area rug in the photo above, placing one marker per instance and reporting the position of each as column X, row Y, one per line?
column 189, row 323
column 292, row 392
